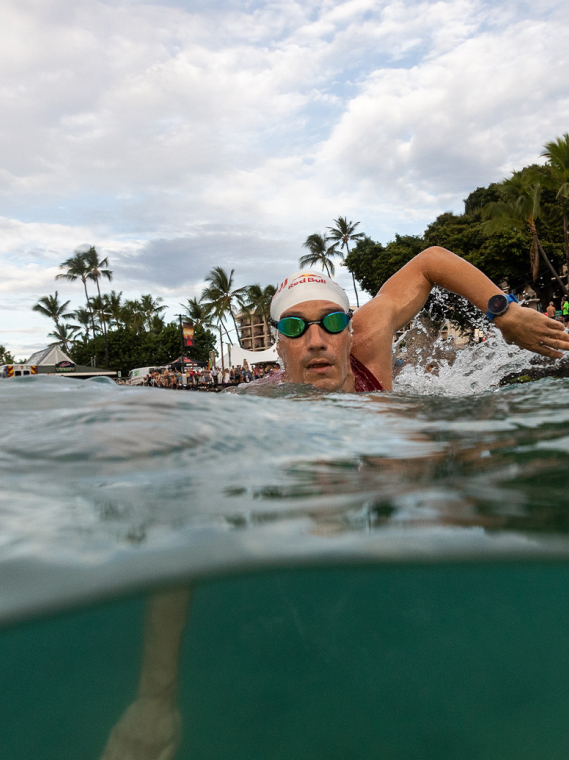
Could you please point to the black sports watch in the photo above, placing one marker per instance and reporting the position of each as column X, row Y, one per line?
column 498, row 305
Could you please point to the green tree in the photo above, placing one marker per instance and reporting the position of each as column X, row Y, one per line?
column 83, row 317
column 64, row 336
column 97, row 270
column 258, row 301
column 520, row 205
column 197, row 312
column 114, row 307
column 156, row 324
column 97, row 267
column 5, row 356
column 151, row 307
column 100, row 308
column 557, row 152
column 50, row 307
column 204, row 342
column 320, row 253
column 132, row 315
column 478, row 199
column 129, row 349
column 77, row 268
column 373, row 264
column 221, row 297
column 362, row 262
column 344, row 232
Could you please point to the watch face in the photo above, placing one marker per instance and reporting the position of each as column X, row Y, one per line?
column 497, row 305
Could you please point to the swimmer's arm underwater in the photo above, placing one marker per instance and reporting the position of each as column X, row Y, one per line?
column 404, row 295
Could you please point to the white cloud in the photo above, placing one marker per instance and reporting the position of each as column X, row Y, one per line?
column 174, row 138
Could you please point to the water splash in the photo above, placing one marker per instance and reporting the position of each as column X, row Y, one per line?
column 429, row 362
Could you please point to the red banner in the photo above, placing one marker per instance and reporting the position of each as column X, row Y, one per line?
column 188, row 332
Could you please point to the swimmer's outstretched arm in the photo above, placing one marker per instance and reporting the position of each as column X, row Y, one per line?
column 404, row 295
column 151, row 727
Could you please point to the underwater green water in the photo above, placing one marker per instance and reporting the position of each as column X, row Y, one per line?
column 402, row 661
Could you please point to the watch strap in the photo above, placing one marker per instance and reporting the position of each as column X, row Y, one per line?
column 510, row 299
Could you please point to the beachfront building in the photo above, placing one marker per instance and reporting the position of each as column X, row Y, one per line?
column 254, row 330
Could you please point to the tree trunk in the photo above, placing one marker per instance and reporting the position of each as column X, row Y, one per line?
column 548, row 262
column 356, row 291
column 267, row 330
column 353, row 278
column 89, row 309
column 534, row 258
column 228, row 343
column 236, row 330
column 566, row 240
column 104, row 321
column 221, row 347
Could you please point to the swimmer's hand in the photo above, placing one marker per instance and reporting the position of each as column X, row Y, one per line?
column 533, row 331
column 150, row 729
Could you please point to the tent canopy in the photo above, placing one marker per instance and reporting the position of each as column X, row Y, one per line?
column 50, row 356
column 238, row 354
column 186, row 362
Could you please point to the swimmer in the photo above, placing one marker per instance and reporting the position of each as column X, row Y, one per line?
column 322, row 343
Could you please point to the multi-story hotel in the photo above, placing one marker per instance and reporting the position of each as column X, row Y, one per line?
column 255, row 331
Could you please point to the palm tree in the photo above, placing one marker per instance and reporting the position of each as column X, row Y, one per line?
column 258, row 301
column 97, row 270
column 344, row 233
column 83, row 317
column 320, row 253
column 520, row 205
column 198, row 312
column 132, row 315
column 156, row 324
column 221, row 295
column 50, row 307
column 151, row 307
column 63, row 334
column 78, row 268
column 558, row 154
column 100, row 307
column 97, row 267
column 114, row 307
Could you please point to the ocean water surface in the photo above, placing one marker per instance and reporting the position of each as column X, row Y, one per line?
column 122, row 483
column 282, row 573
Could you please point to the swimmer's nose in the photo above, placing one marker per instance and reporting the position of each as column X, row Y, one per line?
column 315, row 338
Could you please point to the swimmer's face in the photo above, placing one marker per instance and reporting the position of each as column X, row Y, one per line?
column 317, row 357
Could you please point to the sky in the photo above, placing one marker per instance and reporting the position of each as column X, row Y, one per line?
column 178, row 135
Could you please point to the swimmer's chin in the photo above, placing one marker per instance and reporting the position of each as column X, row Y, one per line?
column 326, row 384
column 320, row 381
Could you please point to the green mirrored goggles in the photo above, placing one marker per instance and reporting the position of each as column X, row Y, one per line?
column 294, row 327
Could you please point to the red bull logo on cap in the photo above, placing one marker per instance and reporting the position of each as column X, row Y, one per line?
column 317, row 287
column 304, row 278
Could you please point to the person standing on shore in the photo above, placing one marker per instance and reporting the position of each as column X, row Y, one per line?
column 565, row 310
column 551, row 311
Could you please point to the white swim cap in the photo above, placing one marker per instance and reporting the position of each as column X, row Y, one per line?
column 307, row 286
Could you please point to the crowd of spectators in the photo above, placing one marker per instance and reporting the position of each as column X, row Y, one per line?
column 205, row 379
